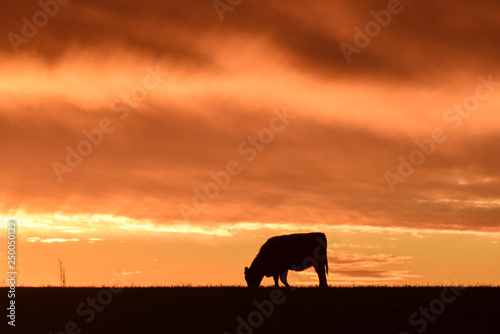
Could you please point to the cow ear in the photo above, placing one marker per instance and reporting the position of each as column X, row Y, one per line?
column 246, row 270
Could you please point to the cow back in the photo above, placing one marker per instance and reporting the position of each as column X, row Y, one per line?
column 289, row 252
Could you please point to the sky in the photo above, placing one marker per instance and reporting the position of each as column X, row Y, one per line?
column 165, row 142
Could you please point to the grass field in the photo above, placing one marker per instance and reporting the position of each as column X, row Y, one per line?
column 263, row 310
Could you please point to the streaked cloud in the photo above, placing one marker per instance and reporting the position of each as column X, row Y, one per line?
column 107, row 225
column 342, row 260
column 49, row 240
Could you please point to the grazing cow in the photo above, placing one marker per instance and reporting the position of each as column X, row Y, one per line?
column 295, row 251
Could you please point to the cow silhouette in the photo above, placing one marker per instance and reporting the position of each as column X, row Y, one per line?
column 289, row 252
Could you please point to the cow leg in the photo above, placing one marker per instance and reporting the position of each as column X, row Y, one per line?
column 276, row 283
column 320, row 270
column 283, row 278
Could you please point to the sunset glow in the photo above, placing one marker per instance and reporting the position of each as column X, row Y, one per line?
column 156, row 140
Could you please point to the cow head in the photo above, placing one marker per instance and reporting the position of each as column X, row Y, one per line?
column 253, row 279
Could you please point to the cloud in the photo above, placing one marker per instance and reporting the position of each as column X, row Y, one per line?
column 49, row 240
column 415, row 45
column 149, row 166
column 348, row 268
column 373, row 276
column 130, row 273
column 345, row 261
column 326, row 167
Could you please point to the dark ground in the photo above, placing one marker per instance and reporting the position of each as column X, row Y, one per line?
column 216, row 310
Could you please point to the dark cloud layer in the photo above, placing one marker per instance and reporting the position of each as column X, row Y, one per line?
column 418, row 43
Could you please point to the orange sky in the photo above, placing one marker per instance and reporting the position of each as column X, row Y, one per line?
column 159, row 98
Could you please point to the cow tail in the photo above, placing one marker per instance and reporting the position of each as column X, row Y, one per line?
column 326, row 255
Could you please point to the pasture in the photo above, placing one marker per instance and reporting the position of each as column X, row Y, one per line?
column 397, row 310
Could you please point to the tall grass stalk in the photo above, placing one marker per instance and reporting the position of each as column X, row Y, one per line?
column 62, row 272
